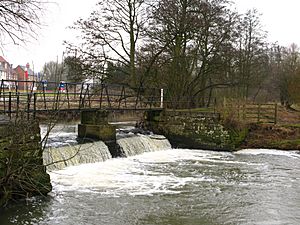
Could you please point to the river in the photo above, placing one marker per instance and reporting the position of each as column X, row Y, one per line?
column 171, row 187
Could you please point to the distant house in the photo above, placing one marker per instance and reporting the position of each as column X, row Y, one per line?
column 6, row 72
column 24, row 73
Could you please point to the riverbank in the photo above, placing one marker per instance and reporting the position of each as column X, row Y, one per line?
column 22, row 173
column 285, row 135
column 200, row 129
column 281, row 137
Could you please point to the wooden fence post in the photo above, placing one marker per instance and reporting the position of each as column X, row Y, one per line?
column 276, row 111
column 161, row 98
column 244, row 111
column 68, row 98
column 258, row 113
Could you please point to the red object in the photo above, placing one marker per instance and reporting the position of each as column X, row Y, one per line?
column 26, row 74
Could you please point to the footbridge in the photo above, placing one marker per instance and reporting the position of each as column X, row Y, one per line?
column 32, row 98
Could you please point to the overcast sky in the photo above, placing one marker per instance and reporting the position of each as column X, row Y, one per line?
column 48, row 45
column 280, row 18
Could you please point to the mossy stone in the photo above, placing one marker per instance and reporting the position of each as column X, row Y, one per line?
column 21, row 152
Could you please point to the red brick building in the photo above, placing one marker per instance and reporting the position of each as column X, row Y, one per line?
column 24, row 73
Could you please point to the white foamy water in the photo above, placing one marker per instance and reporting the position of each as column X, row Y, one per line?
column 173, row 186
column 248, row 187
column 59, row 135
column 59, row 158
column 139, row 143
column 269, row 152
column 132, row 175
column 63, row 150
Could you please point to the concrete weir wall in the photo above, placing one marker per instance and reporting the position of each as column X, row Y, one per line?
column 191, row 129
column 22, row 173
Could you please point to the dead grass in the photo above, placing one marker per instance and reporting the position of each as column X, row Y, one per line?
column 288, row 117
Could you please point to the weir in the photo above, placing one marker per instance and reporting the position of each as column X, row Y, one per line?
column 99, row 141
column 59, row 158
column 94, row 126
column 138, row 144
column 184, row 129
column 129, row 144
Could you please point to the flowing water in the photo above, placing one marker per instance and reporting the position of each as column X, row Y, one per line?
column 170, row 187
column 63, row 150
column 75, row 155
column 137, row 144
column 59, row 135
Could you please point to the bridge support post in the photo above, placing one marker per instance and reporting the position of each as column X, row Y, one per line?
column 94, row 126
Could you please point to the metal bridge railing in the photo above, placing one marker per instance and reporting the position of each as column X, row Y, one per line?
column 32, row 96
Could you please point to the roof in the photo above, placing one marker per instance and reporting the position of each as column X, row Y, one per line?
column 30, row 71
column 3, row 60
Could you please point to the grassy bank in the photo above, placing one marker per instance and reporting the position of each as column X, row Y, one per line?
column 280, row 137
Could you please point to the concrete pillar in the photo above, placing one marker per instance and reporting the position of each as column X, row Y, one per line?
column 94, row 126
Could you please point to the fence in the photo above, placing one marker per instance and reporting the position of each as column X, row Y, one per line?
column 257, row 113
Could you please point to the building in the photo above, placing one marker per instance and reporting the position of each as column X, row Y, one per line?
column 24, row 73
column 6, row 73
column 11, row 78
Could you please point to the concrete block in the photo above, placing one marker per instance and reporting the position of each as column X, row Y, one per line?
column 94, row 117
column 103, row 132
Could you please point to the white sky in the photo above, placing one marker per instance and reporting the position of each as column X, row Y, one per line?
column 280, row 18
column 48, row 45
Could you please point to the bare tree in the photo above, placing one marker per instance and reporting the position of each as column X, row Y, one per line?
column 196, row 30
column 53, row 71
column 111, row 34
column 74, row 69
column 19, row 20
column 251, row 50
column 287, row 72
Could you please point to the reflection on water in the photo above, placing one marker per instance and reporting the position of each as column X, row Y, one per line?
column 172, row 187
